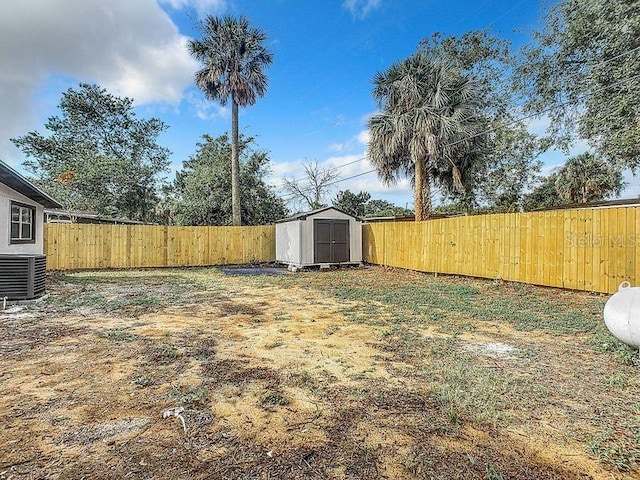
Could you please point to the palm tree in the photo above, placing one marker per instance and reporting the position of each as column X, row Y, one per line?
column 586, row 178
column 233, row 58
column 428, row 128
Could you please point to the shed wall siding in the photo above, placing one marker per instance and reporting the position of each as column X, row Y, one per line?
column 355, row 247
column 288, row 242
column 7, row 195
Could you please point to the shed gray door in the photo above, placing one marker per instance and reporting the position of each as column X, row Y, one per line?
column 331, row 241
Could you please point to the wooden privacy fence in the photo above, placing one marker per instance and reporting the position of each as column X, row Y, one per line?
column 78, row 246
column 585, row 249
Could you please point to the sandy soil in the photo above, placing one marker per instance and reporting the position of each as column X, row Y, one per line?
column 276, row 381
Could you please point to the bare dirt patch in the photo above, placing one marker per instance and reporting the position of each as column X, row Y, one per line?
column 363, row 373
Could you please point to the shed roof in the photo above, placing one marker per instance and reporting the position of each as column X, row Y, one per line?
column 304, row 215
column 17, row 182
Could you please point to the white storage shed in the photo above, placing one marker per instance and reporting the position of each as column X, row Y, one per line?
column 327, row 236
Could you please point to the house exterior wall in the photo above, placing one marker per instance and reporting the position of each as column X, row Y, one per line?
column 7, row 195
column 355, row 235
column 288, row 242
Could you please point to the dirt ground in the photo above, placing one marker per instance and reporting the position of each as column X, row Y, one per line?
column 361, row 373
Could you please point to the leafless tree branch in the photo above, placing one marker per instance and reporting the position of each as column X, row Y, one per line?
column 310, row 191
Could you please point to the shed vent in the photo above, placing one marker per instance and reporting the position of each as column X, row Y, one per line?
column 22, row 277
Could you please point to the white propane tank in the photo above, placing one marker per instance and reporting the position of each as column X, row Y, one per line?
column 622, row 314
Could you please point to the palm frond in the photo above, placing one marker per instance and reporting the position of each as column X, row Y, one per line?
column 233, row 58
column 429, row 115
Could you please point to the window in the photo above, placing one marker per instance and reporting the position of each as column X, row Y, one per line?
column 23, row 223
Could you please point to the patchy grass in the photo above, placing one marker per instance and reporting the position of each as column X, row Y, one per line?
column 129, row 293
column 450, row 301
column 358, row 373
column 163, row 354
column 191, row 397
column 143, row 381
column 273, row 398
column 118, row 334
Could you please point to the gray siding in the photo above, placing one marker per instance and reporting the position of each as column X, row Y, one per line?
column 288, row 242
column 295, row 240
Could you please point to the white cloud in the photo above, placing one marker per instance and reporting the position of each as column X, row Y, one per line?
column 364, row 119
column 357, row 141
column 357, row 166
column 578, row 147
column 338, row 147
column 363, row 137
column 206, row 109
column 348, row 164
column 203, row 7
column 130, row 48
column 361, row 8
column 550, row 166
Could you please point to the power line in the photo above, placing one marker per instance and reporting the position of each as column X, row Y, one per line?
column 628, row 52
column 289, row 196
column 352, row 176
column 490, row 130
column 604, row 62
column 338, row 167
column 600, row 63
column 542, row 112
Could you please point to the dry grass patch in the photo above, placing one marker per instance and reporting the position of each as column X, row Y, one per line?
column 364, row 373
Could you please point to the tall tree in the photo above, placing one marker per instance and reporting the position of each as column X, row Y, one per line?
column 428, row 128
column 98, row 155
column 309, row 192
column 233, row 58
column 201, row 188
column 583, row 72
column 353, row 203
column 361, row 205
column 582, row 179
column 544, row 196
column 507, row 173
column 586, row 178
column 383, row 208
column 508, row 165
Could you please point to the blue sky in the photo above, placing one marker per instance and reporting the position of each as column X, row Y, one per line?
column 319, row 97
